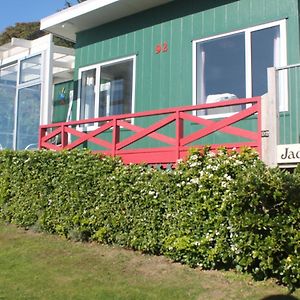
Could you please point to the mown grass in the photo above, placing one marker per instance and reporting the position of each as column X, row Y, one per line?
column 40, row 266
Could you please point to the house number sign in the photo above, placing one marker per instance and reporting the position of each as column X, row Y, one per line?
column 161, row 48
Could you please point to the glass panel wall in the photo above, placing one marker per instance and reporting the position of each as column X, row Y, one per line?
column 28, row 117
column 20, row 104
column 30, row 69
column 8, row 88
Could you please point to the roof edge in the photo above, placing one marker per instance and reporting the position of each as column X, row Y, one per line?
column 70, row 13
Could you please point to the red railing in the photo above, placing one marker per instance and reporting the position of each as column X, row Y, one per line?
column 70, row 135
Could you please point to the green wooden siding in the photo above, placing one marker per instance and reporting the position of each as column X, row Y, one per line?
column 165, row 80
column 61, row 101
column 290, row 121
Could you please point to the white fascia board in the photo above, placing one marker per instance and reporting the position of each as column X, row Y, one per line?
column 5, row 47
column 16, row 42
column 64, row 18
column 73, row 12
column 63, row 65
column 63, row 50
column 92, row 13
column 20, row 48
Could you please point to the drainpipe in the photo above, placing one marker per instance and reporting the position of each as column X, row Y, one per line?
column 269, row 121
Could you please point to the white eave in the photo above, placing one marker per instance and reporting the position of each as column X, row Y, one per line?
column 93, row 13
column 62, row 58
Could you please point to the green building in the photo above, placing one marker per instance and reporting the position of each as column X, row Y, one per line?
column 143, row 55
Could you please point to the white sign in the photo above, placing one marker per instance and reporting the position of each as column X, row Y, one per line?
column 288, row 154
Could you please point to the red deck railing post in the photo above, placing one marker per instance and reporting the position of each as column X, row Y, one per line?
column 179, row 133
column 116, row 136
column 64, row 137
column 42, row 133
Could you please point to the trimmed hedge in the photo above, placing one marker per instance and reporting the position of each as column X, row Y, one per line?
column 223, row 210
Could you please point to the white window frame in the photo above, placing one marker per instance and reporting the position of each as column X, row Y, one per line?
column 248, row 61
column 15, row 117
column 98, row 67
column 20, row 86
column 24, row 85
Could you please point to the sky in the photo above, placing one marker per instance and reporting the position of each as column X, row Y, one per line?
column 13, row 11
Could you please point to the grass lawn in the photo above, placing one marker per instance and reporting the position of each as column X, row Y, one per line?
column 40, row 266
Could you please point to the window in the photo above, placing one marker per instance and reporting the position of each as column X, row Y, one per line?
column 106, row 89
column 28, row 119
column 8, row 87
column 30, row 69
column 28, row 103
column 87, row 95
column 235, row 65
column 20, row 103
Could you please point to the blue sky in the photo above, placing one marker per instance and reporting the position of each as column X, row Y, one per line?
column 13, row 11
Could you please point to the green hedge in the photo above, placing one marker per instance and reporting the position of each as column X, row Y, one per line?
column 224, row 210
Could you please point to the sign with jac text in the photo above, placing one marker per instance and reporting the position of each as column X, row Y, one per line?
column 288, row 154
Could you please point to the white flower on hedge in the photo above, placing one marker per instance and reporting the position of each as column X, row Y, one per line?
column 194, row 164
column 195, row 180
column 215, row 168
column 154, row 194
column 227, row 177
column 194, row 157
column 233, row 248
column 211, row 154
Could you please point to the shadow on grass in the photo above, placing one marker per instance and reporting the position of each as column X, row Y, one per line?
column 280, row 297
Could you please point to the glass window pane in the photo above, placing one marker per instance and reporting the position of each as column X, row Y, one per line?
column 28, row 116
column 87, row 94
column 8, row 81
column 265, row 54
column 221, row 71
column 30, row 69
column 221, row 67
column 116, row 88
